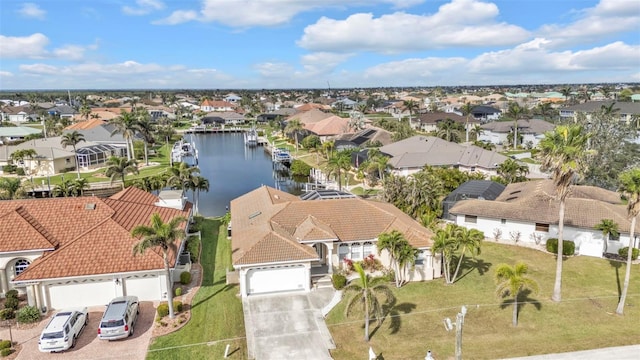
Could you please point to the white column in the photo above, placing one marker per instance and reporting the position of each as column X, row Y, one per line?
column 31, row 298
column 4, row 285
column 242, row 273
column 330, row 256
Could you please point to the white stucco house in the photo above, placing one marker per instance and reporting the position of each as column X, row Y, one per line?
column 531, row 130
column 77, row 251
column 527, row 213
column 282, row 243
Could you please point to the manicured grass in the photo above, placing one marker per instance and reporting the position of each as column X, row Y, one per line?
column 360, row 191
column 216, row 318
column 585, row 319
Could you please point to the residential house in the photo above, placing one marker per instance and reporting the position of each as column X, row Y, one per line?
column 624, row 111
column 77, row 251
column 527, row 213
column 62, row 111
column 485, row 113
column 329, row 127
column 363, row 138
column 50, row 157
column 101, row 142
column 282, row 243
column 472, row 189
column 17, row 114
column 411, row 155
column 217, row 105
column 9, row 134
column 232, row 98
column 230, row 117
column 532, row 131
column 428, row 122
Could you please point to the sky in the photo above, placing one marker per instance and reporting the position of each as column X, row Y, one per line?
column 279, row 44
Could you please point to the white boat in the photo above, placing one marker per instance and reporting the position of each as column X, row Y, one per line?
column 182, row 151
column 251, row 137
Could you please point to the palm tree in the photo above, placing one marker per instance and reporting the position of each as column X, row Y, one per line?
column 120, row 167
column 65, row 188
column 11, row 188
column 511, row 171
column 466, row 109
column 125, row 124
column 199, row 183
column 562, row 151
column 467, row 240
column 165, row 236
column 366, row 293
column 72, row 139
column 475, row 131
column 448, row 130
column 512, row 280
column 181, row 175
column 146, row 129
column 294, row 127
column 22, row 154
column 515, row 111
column 445, row 244
column 630, row 187
column 79, row 186
column 566, row 92
column 545, row 109
column 401, row 253
column 411, row 106
column 608, row 228
column 338, row 162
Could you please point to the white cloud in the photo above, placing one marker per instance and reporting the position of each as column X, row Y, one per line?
column 617, row 55
column 461, row 23
column 322, row 63
column 70, row 52
column 5, row 74
column 32, row 10
column 31, row 47
column 143, row 7
column 274, row 69
column 408, row 71
column 250, row 13
column 607, row 18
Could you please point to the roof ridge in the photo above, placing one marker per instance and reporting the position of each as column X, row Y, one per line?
column 37, row 226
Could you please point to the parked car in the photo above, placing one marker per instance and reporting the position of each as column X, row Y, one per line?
column 119, row 319
column 63, row 329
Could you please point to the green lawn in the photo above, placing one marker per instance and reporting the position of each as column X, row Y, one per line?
column 585, row 319
column 216, row 318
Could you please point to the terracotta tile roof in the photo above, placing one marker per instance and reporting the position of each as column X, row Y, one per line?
column 332, row 125
column 93, row 234
column 534, row 201
column 257, row 221
column 135, row 195
column 86, row 124
column 309, row 116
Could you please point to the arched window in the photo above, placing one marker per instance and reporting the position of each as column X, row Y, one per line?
column 343, row 252
column 20, row 266
column 356, row 251
column 368, row 249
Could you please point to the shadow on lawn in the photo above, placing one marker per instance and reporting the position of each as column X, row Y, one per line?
column 470, row 264
column 523, row 300
column 222, row 289
column 617, row 265
column 394, row 312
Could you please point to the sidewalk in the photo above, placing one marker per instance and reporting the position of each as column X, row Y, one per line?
column 613, row 353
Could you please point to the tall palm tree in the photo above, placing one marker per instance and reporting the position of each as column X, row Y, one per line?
column 72, row 139
column 120, row 167
column 79, row 186
column 476, row 131
column 448, row 130
column 562, row 152
column 411, row 106
column 181, row 175
column 608, row 228
column 401, row 253
column 515, row 111
column 445, row 244
column 146, row 129
column 199, row 183
column 336, row 163
column 125, row 124
column 511, row 171
column 294, row 127
column 367, row 294
column 512, row 280
column 466, row 109
column 630, row 187
column 165, row 236
column 566, row 92
column 65, row 188
column 468, row 240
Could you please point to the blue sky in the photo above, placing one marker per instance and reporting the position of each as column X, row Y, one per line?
column 255, row 44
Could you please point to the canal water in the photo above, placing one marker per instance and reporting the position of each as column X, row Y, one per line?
column 234, row 169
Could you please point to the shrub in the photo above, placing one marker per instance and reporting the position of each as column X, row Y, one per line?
column 389, row 275
column 163, row 308
column 568, row 247
column 5, row 344
column 6, row 352
column 6, row 314
column 624, row 252
column 9, row 169
column 12, row 294
column 28, row 314
column 11, row 303
column 300, row 168
column 20, row 171
column 339, row 281
column 185, row 277
column 178, row 291
column 371, row 263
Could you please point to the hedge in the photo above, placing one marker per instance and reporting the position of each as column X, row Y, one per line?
column 163, row 308
column 28, row 314
column 568, row 247
column 624, row 252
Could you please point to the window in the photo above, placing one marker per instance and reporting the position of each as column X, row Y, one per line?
column 356, row 251
column 368, row 249
column 503, row 221
column 470, row 219
column 542, row 227
column 343, row 252
column 420, row 257
column 20, row 266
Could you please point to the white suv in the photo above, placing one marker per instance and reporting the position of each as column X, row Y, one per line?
column 119, row 318
column 63, row 329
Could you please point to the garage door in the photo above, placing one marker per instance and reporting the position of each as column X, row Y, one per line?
column 276, row 279
column 146, row 287
column 88, row 293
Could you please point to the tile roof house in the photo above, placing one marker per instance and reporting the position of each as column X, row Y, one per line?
column 77, row 251
column 329, row 127
column 280, row 242
column 217, row 105
column 532, row 131
column 411, row 155
column 528, row 213
column 429, row 121
column 625, row 110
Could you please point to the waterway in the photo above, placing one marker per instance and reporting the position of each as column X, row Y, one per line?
column 234, row 169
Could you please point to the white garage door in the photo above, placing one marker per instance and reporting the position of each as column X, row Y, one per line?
column 275, row 279
column 146, row 287
column 88, row 293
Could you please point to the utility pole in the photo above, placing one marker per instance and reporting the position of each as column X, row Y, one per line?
column 459, row 324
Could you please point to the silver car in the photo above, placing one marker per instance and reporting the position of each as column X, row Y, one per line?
column 119, row 319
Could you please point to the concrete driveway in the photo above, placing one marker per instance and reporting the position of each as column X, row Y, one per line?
column 88, row 345
column 288, row 326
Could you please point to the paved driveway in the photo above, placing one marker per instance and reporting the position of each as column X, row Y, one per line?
column 88, row 345
column 288, row 326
